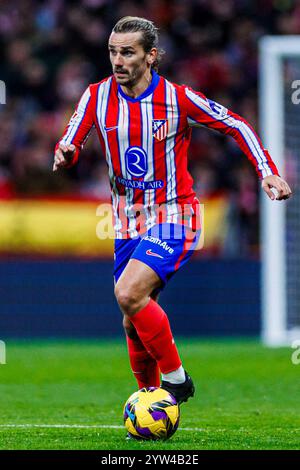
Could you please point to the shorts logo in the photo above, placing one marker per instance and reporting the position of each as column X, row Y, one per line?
column 150, row 252
column 136, row 161
column 159, row 128
column 160, row 243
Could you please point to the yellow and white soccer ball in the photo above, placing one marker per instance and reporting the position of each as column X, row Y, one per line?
column 151, row 413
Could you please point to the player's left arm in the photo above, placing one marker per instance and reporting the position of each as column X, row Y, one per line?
column 204, row 112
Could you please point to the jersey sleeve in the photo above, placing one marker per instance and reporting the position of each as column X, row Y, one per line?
column 80, row 125
column 204, row 112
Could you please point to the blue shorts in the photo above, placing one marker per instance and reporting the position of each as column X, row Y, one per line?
column 164, row 248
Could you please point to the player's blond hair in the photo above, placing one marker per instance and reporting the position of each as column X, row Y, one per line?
column 134, row 24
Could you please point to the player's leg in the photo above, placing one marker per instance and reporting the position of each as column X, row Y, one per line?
column 151, row 323
column 165, row 248
column 143, row 365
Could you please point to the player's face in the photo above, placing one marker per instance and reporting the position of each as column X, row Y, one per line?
column 128, row 58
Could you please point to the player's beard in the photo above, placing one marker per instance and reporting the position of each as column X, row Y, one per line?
column 130, row 79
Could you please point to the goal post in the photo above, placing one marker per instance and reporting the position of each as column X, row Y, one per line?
column 279, row 68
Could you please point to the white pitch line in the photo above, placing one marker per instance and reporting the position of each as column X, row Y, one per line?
column 71, row 426
column 79, row 426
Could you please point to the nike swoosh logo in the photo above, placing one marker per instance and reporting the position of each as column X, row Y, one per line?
column 107, row 129
column 149, row 252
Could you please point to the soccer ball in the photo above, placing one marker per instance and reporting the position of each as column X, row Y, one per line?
column 151, row 413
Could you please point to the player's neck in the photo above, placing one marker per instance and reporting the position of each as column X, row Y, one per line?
column 139, row 88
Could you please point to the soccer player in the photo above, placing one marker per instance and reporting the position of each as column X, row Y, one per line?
column 144, row 126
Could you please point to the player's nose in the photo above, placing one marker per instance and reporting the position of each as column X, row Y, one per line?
column 118, row 61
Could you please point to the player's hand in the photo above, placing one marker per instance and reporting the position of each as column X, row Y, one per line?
column 63, row 156
column 278, row 183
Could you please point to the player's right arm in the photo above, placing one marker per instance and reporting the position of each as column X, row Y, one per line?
column 76, row 133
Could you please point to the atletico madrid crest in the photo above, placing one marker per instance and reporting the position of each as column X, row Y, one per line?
column 160, row 128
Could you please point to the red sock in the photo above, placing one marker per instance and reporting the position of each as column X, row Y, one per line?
column 153, row 328
column 144, row 366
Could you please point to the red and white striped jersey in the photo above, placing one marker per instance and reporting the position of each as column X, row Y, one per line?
column 145, row 141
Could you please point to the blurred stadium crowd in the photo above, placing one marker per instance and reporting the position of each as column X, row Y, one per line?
column 51, row 50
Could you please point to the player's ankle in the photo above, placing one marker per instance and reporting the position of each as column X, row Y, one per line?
column 175, row 377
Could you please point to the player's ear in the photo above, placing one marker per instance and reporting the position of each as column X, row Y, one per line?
column 151, row 56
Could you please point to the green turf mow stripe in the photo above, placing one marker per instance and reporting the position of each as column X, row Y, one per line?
column 247, row 397
column 80, row 426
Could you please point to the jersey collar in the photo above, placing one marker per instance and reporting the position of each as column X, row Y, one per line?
column 147, row 92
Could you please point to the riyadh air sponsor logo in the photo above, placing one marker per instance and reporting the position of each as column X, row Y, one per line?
column 136, row 161
column 143, row 185
column 151, row 253
column 160, row 243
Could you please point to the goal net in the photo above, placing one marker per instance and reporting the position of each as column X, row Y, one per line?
column 280, row 220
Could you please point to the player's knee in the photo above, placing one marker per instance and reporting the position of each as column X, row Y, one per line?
column 127, row 299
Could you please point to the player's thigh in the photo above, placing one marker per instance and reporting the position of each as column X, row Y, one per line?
column 123, row 251
column 138, row 280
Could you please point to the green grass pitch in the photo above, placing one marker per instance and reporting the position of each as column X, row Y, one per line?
column 70, row 395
